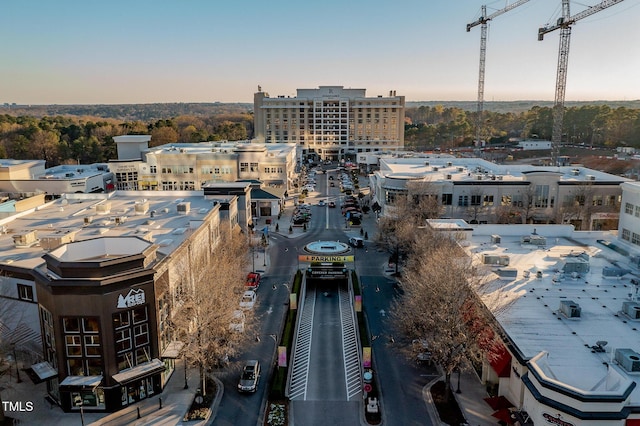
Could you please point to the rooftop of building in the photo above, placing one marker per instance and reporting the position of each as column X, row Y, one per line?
column 151, row 215
column 565, row 293
column 66, row 171
column 439, row 167
column 224, row 147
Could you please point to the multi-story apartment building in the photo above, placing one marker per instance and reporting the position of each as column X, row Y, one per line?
column 189, row 166
column 331, row 122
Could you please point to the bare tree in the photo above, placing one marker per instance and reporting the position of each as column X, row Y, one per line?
column 209, row 301
column 396, row 230
column 579, row 206
column 526, row 203
column 440, row 306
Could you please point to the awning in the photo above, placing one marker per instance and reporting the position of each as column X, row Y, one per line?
column 42, row 371
column 172, row 350
column 83, row 382
column 140, row 371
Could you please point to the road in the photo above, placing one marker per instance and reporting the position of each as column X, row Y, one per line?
column 400, row 379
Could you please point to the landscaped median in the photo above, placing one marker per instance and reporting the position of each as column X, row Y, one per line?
column 372, row 410
column 277, row 405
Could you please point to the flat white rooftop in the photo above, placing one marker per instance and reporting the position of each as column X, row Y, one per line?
column 528, row 306
column 117, row 214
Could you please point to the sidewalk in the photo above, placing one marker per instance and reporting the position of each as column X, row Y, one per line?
column 471, row 399
column 175, row 402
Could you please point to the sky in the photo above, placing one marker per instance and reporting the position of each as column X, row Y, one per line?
column 158, row 51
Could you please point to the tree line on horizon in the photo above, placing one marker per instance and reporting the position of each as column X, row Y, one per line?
column 72, row 139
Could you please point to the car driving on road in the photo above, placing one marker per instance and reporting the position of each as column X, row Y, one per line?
column 250, row 376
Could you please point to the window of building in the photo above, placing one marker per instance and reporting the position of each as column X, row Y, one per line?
column 610, row 200
column 447, row 199
column 598, row 200
column 153, row 169
column 463, row 200
column 637, row 211
column 476, row 200
column 541, row 197
column 628, row 208
column 25, row 292
column 488, row 200
column 626, row 234
column 635, row 238
column 132, row 337
column 244, row 167
column 83, row 350
column 505, row 200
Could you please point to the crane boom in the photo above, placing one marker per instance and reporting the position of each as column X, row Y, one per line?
column 564, row 24
column 482, row 21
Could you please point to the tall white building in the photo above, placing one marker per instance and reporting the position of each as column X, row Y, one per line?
column 331, row 122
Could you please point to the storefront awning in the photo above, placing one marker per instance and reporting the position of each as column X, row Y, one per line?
column 173, row 350
column 138, row 372
column 41, row 371
column 83, row 382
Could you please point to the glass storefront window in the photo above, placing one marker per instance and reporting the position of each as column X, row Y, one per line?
column 71, row 325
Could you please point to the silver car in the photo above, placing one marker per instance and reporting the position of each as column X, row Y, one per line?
column 250, row 376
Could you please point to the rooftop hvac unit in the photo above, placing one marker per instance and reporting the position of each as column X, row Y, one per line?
column 631, row 309
column 103, row 208
column 495, row 239
column 500, row 177
column 479, row 177
column 120, row 220
column 449, row 164
column 88, row 220
column 575, row 172
column 426, row 163
column 448, row 177
column 570, row 309
column 536, row 240
column 461, row 169
column 614, row 272
column 495, row 259
column 54, row 241
column 591, row 177
column 141, row 207
column 628, row 359
column 184, row 208
column 25, row 239
column 435, row 168
column 507, row 273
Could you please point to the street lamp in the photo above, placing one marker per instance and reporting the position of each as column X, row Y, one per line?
column 15, row 358
column 186, row 384
column 458, row 390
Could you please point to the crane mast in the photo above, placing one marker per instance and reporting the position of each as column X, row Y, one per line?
column 564, row 25
column 482, row 21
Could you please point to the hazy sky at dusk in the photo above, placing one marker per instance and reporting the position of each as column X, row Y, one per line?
column 144, row 51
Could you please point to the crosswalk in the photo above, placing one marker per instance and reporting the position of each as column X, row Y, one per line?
column 302, row 349
column 351, row 352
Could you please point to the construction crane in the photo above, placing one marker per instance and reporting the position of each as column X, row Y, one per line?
column 482, row 21
column 564, row 25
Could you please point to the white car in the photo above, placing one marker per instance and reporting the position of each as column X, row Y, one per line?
column 237, row 323
column 321, row 203
column 248, row 300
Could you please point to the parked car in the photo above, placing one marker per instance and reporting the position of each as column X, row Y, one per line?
column 331, row 178
column 331, row 184
column 250, row 376
column 253, row 281
column 332, row 204
column 321, row 203
column 237, row 323
column 356, row 242
column 248, row 300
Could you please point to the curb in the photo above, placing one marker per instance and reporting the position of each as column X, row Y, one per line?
column 431, row 408
column 216, row 400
